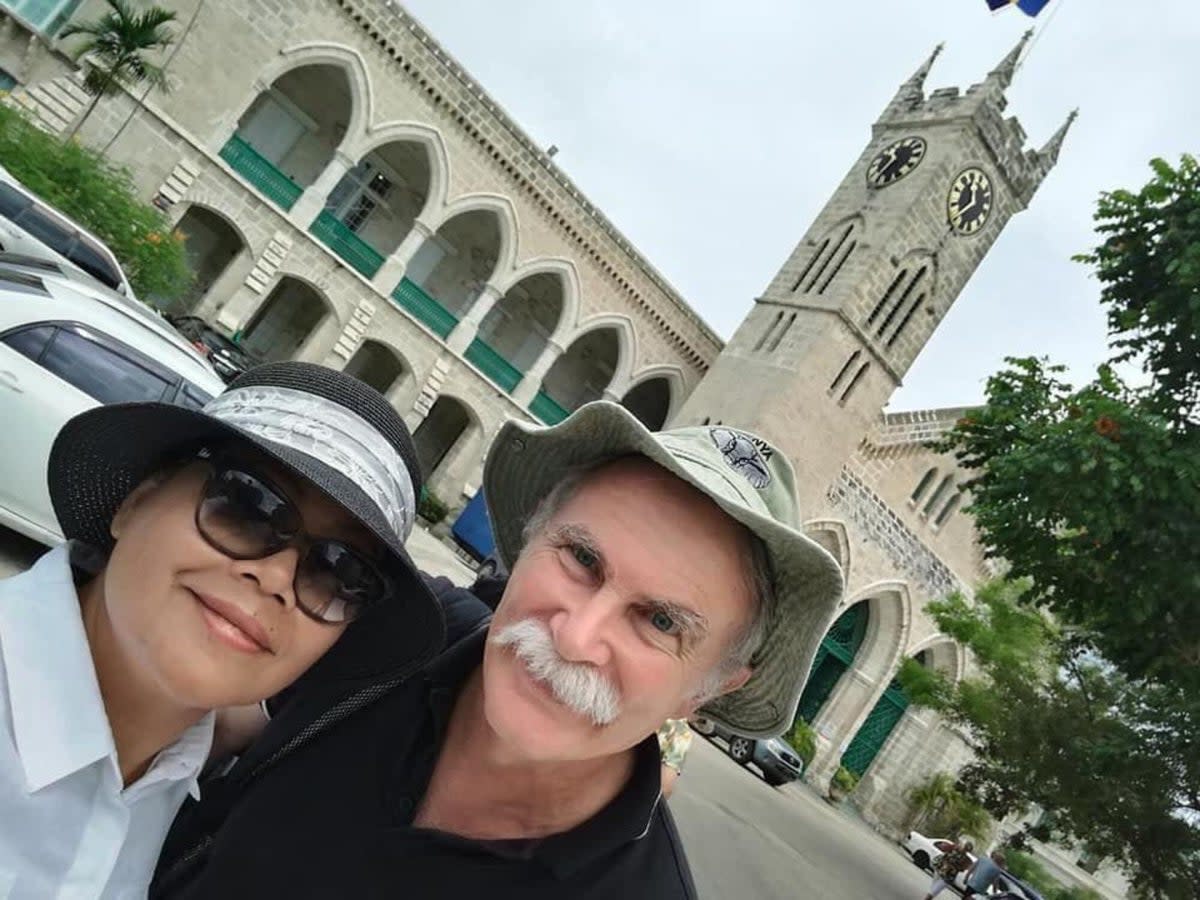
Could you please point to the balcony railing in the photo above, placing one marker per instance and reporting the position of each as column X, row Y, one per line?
column 493, row 365
column 335, row 235
column 412, row 297
column 261, row 172
column 547, row 409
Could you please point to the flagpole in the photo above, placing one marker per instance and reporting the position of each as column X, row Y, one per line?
column 1039, row 32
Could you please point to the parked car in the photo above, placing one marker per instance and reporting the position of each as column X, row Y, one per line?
column 64, row 350
column 226, row 357
column 778, row 760
column 31, row 226
column 924, row 851
column 1008, row 887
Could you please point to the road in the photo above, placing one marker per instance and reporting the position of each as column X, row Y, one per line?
column 748, row 841
column 745, row 840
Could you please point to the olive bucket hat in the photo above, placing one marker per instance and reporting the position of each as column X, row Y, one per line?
column 750, row 480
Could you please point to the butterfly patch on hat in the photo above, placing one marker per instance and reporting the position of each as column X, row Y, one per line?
column 747, row 455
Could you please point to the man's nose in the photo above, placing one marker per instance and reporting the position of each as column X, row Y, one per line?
column 584, row 629
column 274, row 574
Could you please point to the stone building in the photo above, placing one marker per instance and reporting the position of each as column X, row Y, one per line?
column 349, row 195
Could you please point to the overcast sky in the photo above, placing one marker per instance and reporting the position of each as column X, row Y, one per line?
column 712, row 134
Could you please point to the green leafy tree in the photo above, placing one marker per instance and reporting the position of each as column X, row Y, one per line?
column 79, row 182
column 118, row 47
column 1094, row 492
column 940, row 807
column 1059, row 728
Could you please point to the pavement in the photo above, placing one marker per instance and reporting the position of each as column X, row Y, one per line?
column 748, row 841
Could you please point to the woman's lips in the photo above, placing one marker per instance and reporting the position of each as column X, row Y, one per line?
column 235, row 627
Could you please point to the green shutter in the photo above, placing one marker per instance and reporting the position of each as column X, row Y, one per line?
column 875, row 729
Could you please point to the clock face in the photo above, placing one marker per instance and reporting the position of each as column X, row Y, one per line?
column 970, row 201
column 895, row 161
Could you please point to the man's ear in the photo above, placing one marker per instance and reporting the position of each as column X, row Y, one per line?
column 132, row 501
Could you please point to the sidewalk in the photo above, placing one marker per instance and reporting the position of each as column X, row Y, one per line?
column 434, row 557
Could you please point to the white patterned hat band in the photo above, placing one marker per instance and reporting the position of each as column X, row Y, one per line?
column 330, row 433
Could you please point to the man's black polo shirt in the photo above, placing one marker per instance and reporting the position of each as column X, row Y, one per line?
column 334, row 819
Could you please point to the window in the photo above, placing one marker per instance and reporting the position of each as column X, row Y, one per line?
column 853, row 383
column 45, row 15
column 30, row 342
column 923, row 485
column 191, row 396
column 844, row 370
column 938, row 494
column 766, row 334
column 948, row 509
column 47, row 229
column 818, row 273
column 12, row 201
column 93, row 261
column 101, row 372
column 781, row 332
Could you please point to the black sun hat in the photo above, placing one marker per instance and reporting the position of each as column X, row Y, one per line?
column 328, row 428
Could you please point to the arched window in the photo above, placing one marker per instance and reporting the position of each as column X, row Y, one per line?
column 770, row 330
column 923, row 485
column 858, row 376
column 824, row 265
column 937, row 495
column 844, row 370
column 948, row 510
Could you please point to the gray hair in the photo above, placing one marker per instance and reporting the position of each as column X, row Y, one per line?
column 741, row 650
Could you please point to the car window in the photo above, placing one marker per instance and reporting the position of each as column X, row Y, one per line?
column 94, row 262
column 12, row 201
column 30, row 342
column 192, row 397
column 101, row 372
column 46, row 229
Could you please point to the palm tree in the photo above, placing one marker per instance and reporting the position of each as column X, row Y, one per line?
column 117, row 45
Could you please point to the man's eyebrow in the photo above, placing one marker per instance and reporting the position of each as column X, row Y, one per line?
column 693, row 626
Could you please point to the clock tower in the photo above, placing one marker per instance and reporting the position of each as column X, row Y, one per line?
column 823, row 349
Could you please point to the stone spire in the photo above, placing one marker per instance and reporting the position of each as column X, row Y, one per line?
column 912, row 92
column 1002, row 76
column 1048, row 155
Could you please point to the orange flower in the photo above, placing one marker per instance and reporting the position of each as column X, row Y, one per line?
column 154, row 237
column 1107, row 427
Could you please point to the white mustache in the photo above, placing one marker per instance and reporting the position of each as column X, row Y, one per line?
column 578, row 686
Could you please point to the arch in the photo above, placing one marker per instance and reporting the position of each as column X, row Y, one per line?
column 891, row 623
column 923, row 485
column 448, row 424
column 565, row 269
column 514, row 333
column 378, row 364
column 836, row 247
column 675, row 383
column 945, row 655
column 362, row 93
column 291, row 313
column 832, row 535
column 505, row 213
column 836, row 654
column 377, row 136
column 626, row 345
column 585, row 372
column 212, row 243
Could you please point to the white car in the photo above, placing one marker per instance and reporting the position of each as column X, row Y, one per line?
column 31, row 226
column 924, row 851
column 65, row 348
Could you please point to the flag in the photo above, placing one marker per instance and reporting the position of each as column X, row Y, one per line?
column 1029, row 7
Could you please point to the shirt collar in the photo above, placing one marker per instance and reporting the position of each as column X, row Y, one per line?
column 628, row 817
column 59, row 722
column 58, row 714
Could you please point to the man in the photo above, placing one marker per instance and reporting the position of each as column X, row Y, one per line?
column 947, row 866
column 650, row 575
column 214, row 556
column 984, row 872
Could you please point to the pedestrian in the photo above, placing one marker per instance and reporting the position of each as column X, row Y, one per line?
column 674, row 741
column 213, row 556
column 947, row 866
column 984, row 872
column 652, row 574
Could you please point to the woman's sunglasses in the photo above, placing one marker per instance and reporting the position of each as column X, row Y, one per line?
column 246, row 517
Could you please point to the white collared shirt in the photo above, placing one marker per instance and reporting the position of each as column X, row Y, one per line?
column 69, row 829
